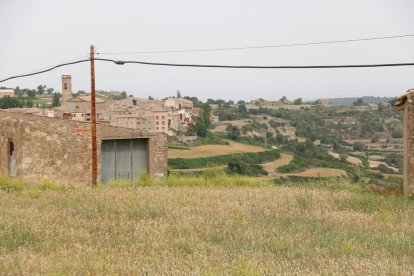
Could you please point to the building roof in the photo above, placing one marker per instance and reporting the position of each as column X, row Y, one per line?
column 403, row 98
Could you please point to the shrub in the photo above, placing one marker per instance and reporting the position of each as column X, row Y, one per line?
column 358, row 146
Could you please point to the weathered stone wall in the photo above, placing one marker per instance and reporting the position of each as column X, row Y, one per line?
column 60, row 150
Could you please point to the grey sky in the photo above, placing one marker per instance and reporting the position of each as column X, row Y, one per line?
column 36, row 34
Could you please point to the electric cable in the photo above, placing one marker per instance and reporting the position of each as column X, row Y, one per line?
column 257, row 47
column 121, row 62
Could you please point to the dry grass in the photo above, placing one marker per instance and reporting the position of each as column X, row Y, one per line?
column 205, row 230
column 213, row 150
column 354, row 161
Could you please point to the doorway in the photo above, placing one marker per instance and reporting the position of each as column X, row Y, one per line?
column 11, row 157
column 124, row 159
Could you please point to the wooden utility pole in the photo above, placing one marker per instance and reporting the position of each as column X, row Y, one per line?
column 93, row 118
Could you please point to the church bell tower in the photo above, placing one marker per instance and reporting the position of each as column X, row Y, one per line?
column 66, row 88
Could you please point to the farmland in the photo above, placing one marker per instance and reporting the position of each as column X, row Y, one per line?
column 213, row 150
column 324, row 140
column 328, row 228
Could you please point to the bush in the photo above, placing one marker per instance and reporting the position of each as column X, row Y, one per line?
column 398, row 133
column 242, row 168
column 358, row 146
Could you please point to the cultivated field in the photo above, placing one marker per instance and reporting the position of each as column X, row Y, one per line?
column 206, row 230
column 212, row 150
column 223, row 124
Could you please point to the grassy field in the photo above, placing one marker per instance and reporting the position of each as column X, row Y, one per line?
column 212, row 150
column 238, row 227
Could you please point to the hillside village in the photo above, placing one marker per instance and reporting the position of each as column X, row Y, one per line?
column 171, row 116
column 316, row 139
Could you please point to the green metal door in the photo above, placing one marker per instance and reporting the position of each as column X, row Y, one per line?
column 123, row 159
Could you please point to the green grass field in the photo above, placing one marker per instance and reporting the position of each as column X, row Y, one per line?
column 208, row 226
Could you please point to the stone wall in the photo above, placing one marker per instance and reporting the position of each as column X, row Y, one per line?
column 60, row 150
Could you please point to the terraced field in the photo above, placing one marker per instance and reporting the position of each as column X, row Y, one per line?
column 212, row 150
column 284, row 159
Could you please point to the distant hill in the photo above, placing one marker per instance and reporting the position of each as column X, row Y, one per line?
column 366, row 100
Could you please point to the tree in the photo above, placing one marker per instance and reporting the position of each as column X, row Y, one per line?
column 41, row 89
column 18, row 91
column 233, row 132
column 56, row 99
column 123, row 95
column 398, row 133
column 374, row 139
column 195, row 100
column 298, row 101
column 31, row 93
column 283, row 99
column 200, row 128
column 205, row 114
column 358, row 146
column 50, row 90
column 29, row 103
column 178, row 94
column 150, row 98
column 242, row 108
column 280, row 139
column 359, row 101
column 9, row 102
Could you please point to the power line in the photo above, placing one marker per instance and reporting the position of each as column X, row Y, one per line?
column 44, row 71
column 46, row 67
column 121, row 62
column 257, row 47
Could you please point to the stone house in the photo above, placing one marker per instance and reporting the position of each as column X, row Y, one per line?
column 35, row 148
column 7, row 93
column 179, row 103
column 405, row 103
column 373, row 106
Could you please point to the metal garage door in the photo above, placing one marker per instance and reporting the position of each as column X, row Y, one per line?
column 123, row 159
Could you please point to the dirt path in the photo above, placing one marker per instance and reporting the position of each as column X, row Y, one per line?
column 213, row 150
column 272, row 166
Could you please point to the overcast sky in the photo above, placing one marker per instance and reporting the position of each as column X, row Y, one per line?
column 36, row 34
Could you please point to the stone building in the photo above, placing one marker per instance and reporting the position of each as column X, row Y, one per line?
column 35, row 148
column 373, row 106
column 406, row 103
column 7, row 93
